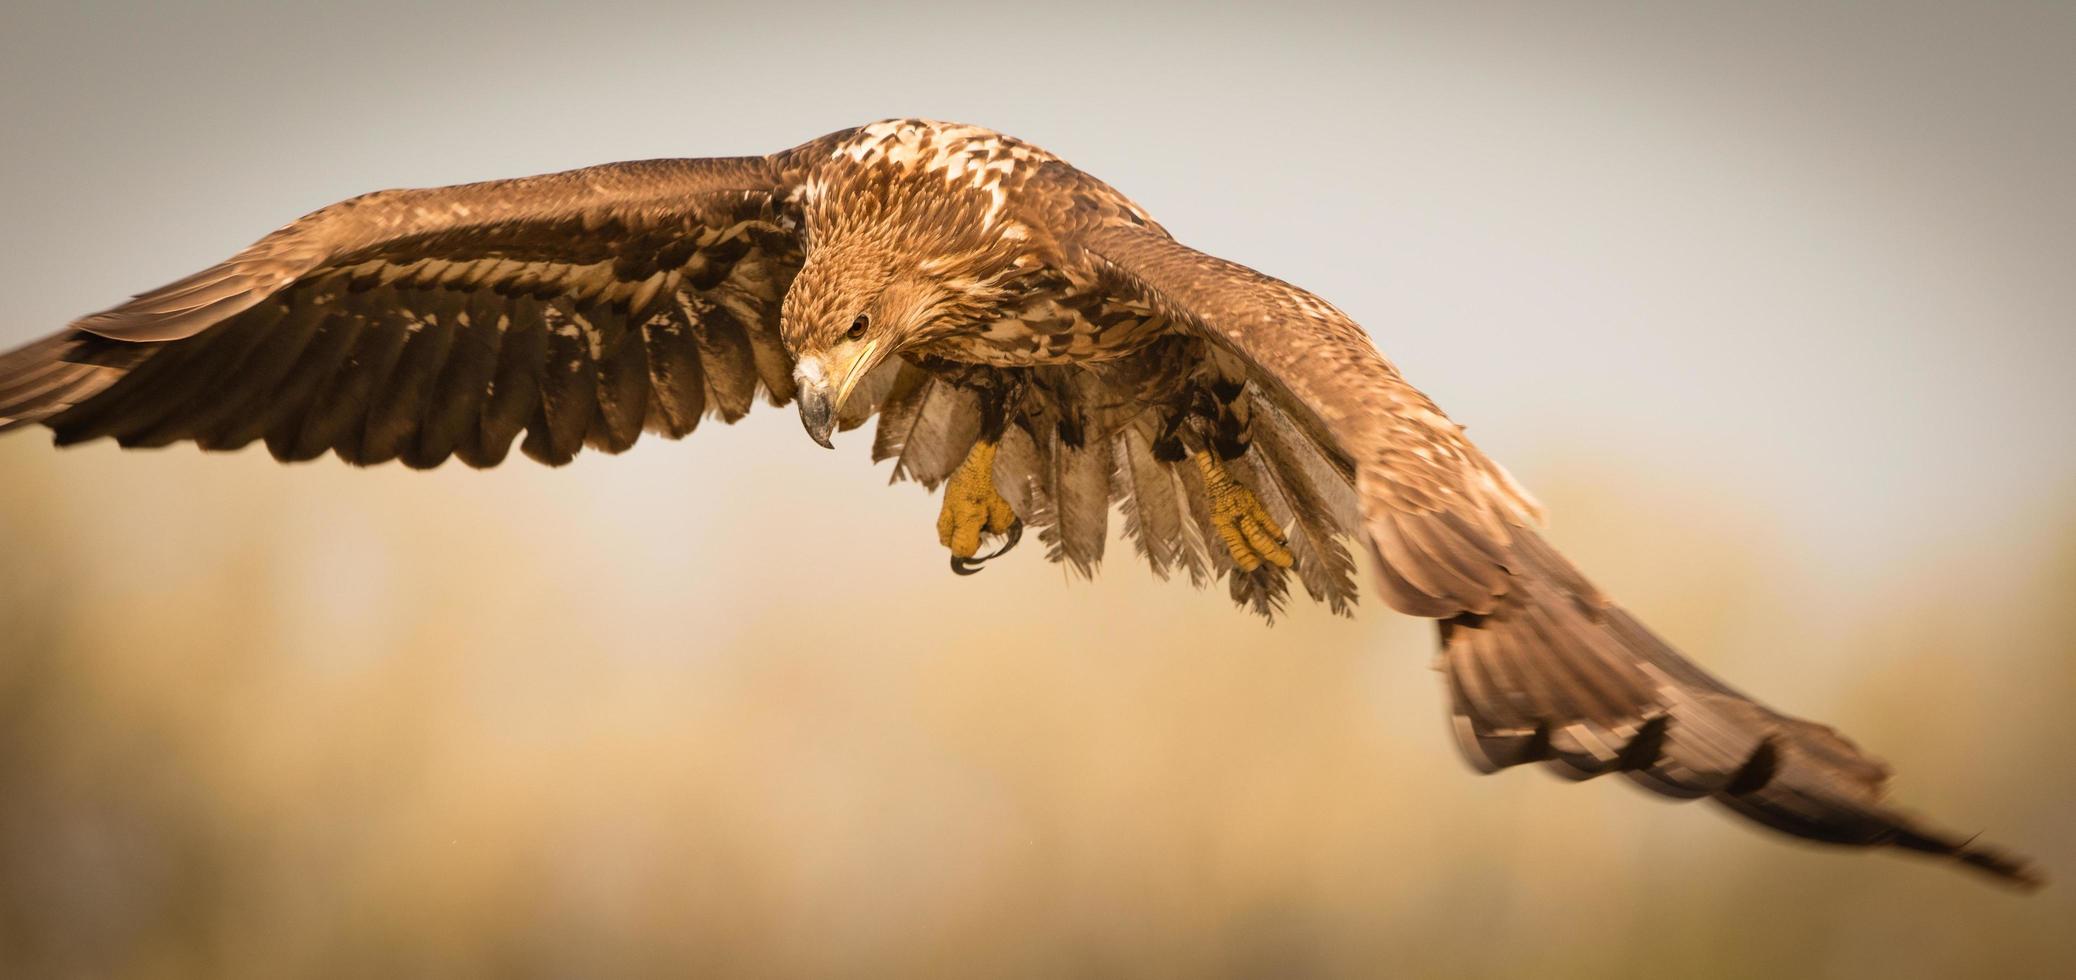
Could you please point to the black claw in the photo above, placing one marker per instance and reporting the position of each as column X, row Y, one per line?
column 1016, row 533
column 971, row 566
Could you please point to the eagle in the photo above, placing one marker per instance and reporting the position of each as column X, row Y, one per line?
column 1029, row 340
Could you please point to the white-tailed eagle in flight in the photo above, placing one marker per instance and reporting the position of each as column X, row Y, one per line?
column 1030, row 340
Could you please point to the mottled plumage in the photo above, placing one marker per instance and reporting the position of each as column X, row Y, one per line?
column 977, row 293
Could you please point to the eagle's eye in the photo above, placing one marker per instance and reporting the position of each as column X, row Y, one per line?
column 858, row 326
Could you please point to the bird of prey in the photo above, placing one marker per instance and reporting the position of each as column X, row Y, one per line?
column 1030, row 340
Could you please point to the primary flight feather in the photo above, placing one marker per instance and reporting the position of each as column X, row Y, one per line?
column 1031, row 340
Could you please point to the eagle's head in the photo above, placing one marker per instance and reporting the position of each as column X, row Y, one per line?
column 861, row 298
column 850, row 308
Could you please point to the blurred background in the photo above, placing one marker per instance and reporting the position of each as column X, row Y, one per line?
column 1771, row 302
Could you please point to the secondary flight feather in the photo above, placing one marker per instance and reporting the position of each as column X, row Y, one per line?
column 1028, row 338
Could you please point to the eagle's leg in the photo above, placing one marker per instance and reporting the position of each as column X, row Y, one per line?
column 1250, row 534
column 973, row 507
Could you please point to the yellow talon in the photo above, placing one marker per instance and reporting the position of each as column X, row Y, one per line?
column 971, row 505
column 1250, row 534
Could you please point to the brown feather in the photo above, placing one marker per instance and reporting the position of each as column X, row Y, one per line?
column 1016, row 477
column 569, row 394
column 725, row 356
column 1077, row 479
column 238, row 416
column 1150, row 499
column 768, row 356
column 677, row 384
column 927, row 426
column 338, row 414
column 397, row 407
column 281, row 421
column 455, row 402
column 514, row 397
column 623, row 392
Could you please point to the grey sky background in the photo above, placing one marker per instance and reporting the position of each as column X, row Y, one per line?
column 1816, row 255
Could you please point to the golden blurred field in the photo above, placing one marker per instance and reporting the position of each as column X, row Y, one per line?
column 630, row 717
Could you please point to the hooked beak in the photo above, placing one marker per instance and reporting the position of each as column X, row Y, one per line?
column 817, row 414
column 822, row 389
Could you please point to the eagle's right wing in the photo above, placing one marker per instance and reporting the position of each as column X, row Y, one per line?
column 1541, row 666
column 579, row 308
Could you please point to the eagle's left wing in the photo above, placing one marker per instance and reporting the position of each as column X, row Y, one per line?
column 579, row 308
column 1541, row 666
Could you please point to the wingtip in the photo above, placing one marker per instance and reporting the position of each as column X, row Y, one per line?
column 2008, row 868
column 2015, row 870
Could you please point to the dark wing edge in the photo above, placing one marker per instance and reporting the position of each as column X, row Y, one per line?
column 1540, row 665
column 580, row 308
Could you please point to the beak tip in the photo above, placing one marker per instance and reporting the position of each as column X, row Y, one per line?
column 817, row 415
